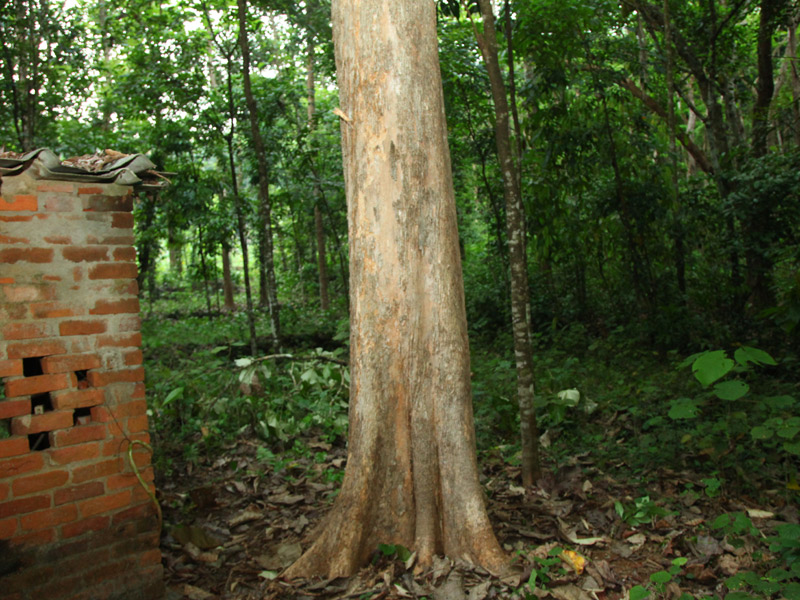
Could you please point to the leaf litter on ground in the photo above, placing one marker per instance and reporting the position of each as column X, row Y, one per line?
column 233, row 524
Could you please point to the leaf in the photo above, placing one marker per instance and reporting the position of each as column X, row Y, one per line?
column 683, row 408
column 759, row 432
column 788, row 433
column 792, row 448
column 243, row 362
column 569, row 397
column 638, row 593
column 660, row 577
column 746, row 354
column 176, row 393
column 731, row 390
column 710, row 366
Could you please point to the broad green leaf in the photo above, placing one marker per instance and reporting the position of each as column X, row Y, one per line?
column 731, row 390
column 660, row 577
column 760, row 432
column 746, row 354
column 243, row 362
column 739, row 596
column 638, row 593
column 780, row 402
column 792, row 447
column 792, row 591
column 788, row 433
column 683, row 408
column 710, row 366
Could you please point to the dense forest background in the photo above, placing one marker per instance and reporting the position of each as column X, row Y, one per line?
column 657, row 154
column 658, row 146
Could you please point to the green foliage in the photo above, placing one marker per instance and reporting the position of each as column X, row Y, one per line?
column 643, row 510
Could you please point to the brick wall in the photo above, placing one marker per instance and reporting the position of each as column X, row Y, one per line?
column 74, row 520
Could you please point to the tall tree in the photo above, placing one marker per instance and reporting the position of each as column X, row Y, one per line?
column 517, row 247
column 411, row 475
column 265, row 208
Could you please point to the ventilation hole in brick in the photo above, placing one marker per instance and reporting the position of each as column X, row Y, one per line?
column 39, row 441
column 41, row 403
column 82, row 416
column 81, row 375
column 5, row 428
column 31, row 367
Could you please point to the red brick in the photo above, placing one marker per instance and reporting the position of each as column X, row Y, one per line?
column 61, row 240
column 98, row 379
column 59, row 187
column 59, row 204
column 77, row 453
column 84, row 191
column 49, row 421
column 15, row 408
column 138, row 391
column 133, row 340
column 124, row 287
column 151, row 557
column 5, row 239
column 133, row 358
column 78, row 492
column 24, row 331
column 132, row 408
column 109, row 203
column 97, row 470
column 8, row 527
column 49, row 518
column 125, row 254
column 5, row 489
column 70, row 362
column 137, row 424
column 85, row 254
column 78, row 399
column 36, row 385
column 6, row 280
column 14, row 446
column 30, row 349
column 130, row 323
column 123, row 480
column 21, row 202
column 105, row 503
column 23, row 505
column 4, row 219
column 122, row 220
column 114, row 271
column 51, row 310
column 117, row 240
column 77, row 435
column 38, row 538
column 39, row 483
column 82, row 327
column 135, row 513
column 112, row 307
column 31, row 255
column 84, row 525
column 29, row 293
column 21, row 464
column 10, row 368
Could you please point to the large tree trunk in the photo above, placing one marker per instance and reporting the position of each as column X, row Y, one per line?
column 412, row 475
column 265, row 209
column 517, row 251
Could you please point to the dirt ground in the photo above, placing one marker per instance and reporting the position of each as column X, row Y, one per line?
column 232, row 524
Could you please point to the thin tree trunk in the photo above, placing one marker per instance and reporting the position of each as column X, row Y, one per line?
column 411, row 475
column 319, row 229
column 227, row 280
column 265, row 209
column 517, row 250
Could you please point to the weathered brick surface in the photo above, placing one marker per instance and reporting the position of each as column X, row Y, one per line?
column 48, row 421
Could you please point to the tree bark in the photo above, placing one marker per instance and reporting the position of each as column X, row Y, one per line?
column 227, row 280
column 265, row 209
column 517, row 251
column 412, row 475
